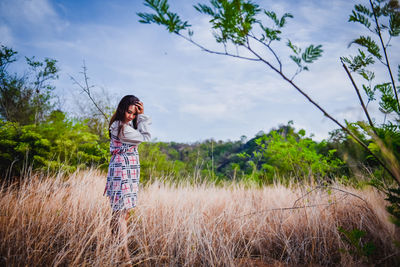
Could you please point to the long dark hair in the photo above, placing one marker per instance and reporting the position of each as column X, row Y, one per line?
column 119, row 114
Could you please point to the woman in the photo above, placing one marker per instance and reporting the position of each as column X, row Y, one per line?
column 127, row 129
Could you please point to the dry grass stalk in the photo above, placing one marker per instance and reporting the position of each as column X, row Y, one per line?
column 66, row 222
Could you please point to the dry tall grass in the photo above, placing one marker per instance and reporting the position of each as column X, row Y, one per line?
column 55, row 222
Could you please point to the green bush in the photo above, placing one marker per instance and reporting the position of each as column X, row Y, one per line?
column 283, row 155
column 58, row 143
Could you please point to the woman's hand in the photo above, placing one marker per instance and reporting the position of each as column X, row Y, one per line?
column 139, row 107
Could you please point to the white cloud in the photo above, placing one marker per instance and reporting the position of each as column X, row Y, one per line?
column 36, row 10
column 32, row 11
column 350, row 113
column 31, row 15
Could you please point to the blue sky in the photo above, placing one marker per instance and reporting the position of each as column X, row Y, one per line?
column 190, row 95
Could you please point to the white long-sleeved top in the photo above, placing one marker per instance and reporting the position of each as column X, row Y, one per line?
column 131, row 135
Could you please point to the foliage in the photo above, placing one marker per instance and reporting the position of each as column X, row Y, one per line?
column 354, row 239
column 58, row 143
column 237, row 23
column 394, row 207
column 155, row 164
column 386, row 15
column 282, row 154
column 286, row 153
column 297, row 157
column 381, row 19
column 163, row 17
column 26, row 98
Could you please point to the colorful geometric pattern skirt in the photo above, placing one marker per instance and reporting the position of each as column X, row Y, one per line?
column 123, row 175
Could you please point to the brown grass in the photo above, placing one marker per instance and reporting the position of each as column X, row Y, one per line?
column 49, row 221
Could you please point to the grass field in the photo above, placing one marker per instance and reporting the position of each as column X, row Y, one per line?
column 57, row 222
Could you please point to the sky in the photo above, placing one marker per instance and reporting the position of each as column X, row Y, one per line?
column 192, row 95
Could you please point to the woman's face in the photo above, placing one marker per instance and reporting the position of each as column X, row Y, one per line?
column 130, row 114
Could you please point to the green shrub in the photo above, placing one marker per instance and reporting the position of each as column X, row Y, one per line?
column 58, row 143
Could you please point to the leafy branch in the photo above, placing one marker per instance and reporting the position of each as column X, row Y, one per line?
column 234, row 22
column 378, row 9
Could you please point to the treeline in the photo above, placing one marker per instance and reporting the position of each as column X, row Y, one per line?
column 35, row 134
column 283, row 154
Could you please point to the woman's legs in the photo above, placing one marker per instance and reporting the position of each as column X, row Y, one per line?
column 119, row 228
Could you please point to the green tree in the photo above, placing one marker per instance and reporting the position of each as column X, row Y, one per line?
column 285, row 154
column 296, row 156
column 26, row 98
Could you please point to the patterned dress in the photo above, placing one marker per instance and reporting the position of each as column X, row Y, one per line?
column 124, row 170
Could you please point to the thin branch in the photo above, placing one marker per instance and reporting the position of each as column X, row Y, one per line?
column 270, row 49
column 328, row 187
column 215, row 52
column 296, row 73
column 386, row 56
column 294, row 207
column 262, row 59
column 348, row 193
column 387, row 43
column 285, row 208
column 383, row 62
column 387, row 257
column 225, row 49
column 86, row 89
column 360, row 98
